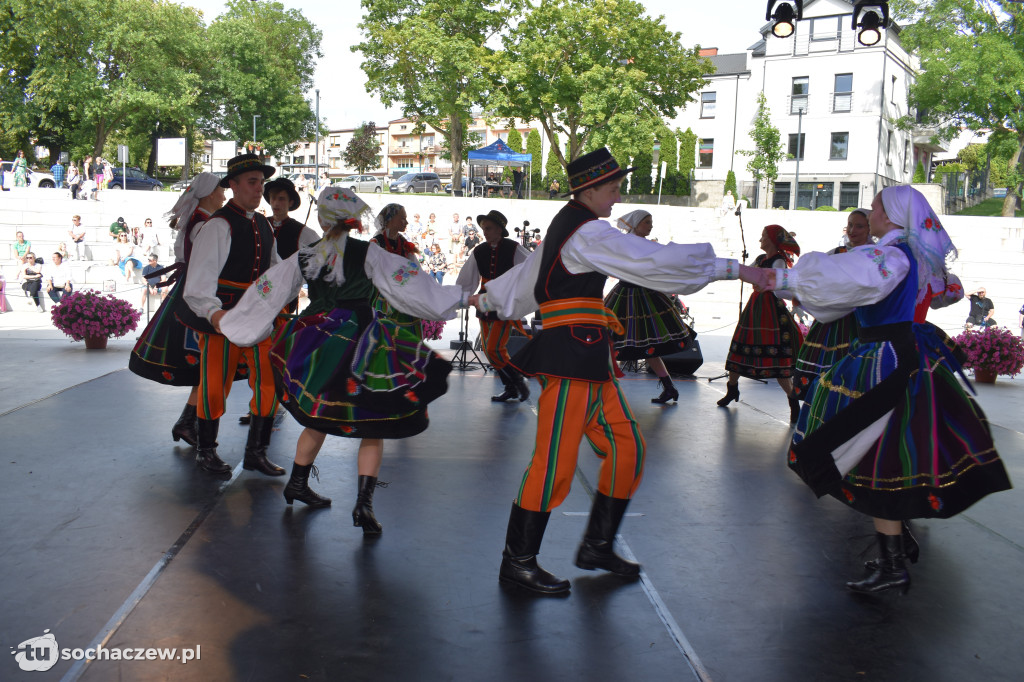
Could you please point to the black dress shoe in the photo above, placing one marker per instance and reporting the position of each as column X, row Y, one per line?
column 732, row 392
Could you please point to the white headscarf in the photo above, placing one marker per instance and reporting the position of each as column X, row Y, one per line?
column 385, row 216
column 202, row 186
column 334, row 205
column 628, row 222
column 926, row 237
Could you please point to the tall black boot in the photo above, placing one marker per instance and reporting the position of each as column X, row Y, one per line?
column 362, row 514
column 596, row 549
column 519, row 560
column 298, row 487
column 910, row 547
column 668, row 391
column 518, row 382
column 186, row 428
column 510, row 392
column 255, row 458
column 206, row 447
column 794, row 408
column 732, row 392
column 888, row 572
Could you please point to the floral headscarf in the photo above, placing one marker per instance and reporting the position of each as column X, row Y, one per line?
column 783, row 241
column 928, row 240
column 628, row 222
column 334, row 205
column 201, row 187
column 385, row 215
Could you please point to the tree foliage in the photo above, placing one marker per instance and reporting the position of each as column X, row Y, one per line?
column 640, row 179
column 427, row 56
column 363, row 151
column 767, row 151
column 515, row 143
column 553, row 168
column 730, row 184
column 594, row 71
column 534, row 147
column 972, row 67
column 918, row 173
column 687, row 159
column 670, row 159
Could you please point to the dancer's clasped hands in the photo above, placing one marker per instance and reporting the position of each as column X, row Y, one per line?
column 763, row 279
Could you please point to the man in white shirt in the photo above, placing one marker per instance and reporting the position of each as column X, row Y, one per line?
column 77, row 236
column 58, row 279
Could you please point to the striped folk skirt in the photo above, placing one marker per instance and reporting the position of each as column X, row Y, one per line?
column 356, row 373
column 825, row 344
column 652, row 324
column 890, row 431
column 766, row 341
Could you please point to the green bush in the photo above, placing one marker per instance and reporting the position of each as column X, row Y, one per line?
column 849, row 209
column 802, row 208
column 918, row 173
column 826, row 208
column 730, row 183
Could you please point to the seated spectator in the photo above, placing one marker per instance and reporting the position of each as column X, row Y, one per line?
column 58, row 279
column 151, row 242
column 88, row 190
column 123, row 257
column 22, row 248
column 62, row 249
column 77, row 234
column 553, row 189
column 437, row 264
column 32, row 274
column 982, row 310
column 151, row 282
column 117, row 228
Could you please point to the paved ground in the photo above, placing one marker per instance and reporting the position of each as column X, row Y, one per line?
column 114, row 537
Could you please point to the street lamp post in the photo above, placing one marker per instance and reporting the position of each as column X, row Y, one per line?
column 799, row 153
column 316, row 153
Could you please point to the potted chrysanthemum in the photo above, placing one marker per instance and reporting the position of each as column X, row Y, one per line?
column 992, row 351
column 432, row 329
column 94, row 317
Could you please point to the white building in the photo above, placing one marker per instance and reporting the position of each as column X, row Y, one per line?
column 835, row 102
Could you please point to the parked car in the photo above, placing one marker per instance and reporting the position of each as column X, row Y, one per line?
column 448, row 185
column 35, row 178
column 182, row 185
column 417, row 182
column 136, row 180
column 362, row 183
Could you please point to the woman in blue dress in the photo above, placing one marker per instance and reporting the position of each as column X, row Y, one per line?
column 888, row 429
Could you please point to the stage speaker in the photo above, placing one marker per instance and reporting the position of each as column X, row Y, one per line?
column 686, row 361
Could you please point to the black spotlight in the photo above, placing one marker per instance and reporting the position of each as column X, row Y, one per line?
column 869, row 18
column 785, row 17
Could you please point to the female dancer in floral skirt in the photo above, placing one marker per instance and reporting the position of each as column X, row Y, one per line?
column 343, row 368
column 767, row 340
column 652, row 326
column 888, row 429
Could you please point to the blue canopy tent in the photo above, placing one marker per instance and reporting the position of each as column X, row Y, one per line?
column 498, row 153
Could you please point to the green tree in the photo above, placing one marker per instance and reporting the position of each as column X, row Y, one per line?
column 534, row 147
column 640, row 179
column 264, row 58
column 972, row 67
column 918, row 173
column 515, row 143
column 594, row 71
column 669, row 158
column 427, row 54
column 687, row 160
column 730, row 183
column 767, row 151
column 363, row 151
column 553, row 168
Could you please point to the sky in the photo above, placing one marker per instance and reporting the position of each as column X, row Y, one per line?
column 729, row 25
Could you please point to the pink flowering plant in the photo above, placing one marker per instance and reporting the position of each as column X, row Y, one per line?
column 432, row 329
column 88, row 313
column 995, row 349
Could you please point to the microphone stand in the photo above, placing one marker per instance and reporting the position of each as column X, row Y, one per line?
column 460, row 360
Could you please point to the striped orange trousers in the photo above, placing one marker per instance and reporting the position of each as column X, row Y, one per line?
column 217, row 368
column 570, row 410
column 494, row 335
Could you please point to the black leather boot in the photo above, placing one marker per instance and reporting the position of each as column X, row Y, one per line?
column 510, row 392
column 732, row 392
column 298, row 487
column 185, row 428
column 206, row 448
column 888, row 572
column 596, row 550
column 519, row 560
column 255, row 459
column 794, row 409
column 362, row 514
column 910, row 547
column 668, row 391
column 519, row 382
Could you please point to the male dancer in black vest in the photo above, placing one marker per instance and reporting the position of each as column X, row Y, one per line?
column 571, row 356
column 496, row 256
column 233, row 249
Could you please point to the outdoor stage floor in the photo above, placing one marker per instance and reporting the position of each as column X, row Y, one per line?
column 113, row 535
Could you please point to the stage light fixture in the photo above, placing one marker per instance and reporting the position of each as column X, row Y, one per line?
column 869, row 18
column 785, row 16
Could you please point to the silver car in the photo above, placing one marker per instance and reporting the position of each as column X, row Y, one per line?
column 362, row 183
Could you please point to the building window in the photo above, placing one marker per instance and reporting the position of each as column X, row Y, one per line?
column 822, row 193
column 797, row 151
column 706, row 154
column 805, row 196
column 798, row 98
column 888, row 148
column 842, row 98
column 849, row 195
column 782, row 195
column 839, row 147
column 906, row 156
column 825, row 28
column 707, row 104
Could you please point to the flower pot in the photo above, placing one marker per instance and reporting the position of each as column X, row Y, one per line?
column 95, row 342
column 984, row 376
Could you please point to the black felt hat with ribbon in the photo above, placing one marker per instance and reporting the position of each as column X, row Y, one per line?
column 283, row 185
column 595, row 168
column 243, row 163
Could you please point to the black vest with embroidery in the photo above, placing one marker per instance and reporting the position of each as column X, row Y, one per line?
column 579, row 351
column 287, row 237
column 492, row 262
